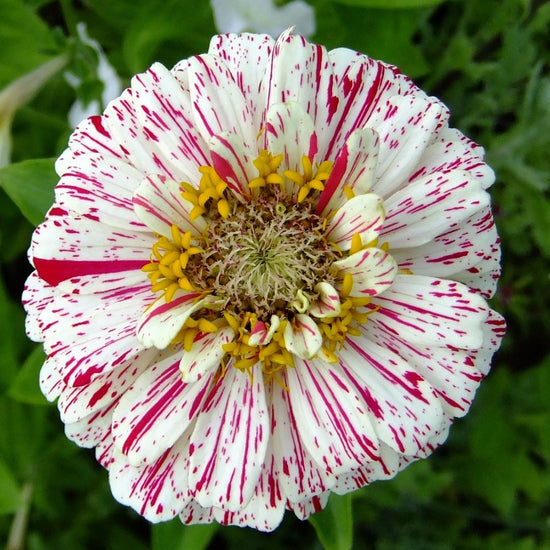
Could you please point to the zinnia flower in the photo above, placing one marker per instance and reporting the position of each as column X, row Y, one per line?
column 263, row 281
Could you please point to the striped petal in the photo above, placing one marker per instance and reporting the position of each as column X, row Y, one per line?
column 363, row 215
column 336, row 431
column 290, row 131
column 157, row 491
column 328, row 302
column 159, row 205
column 431, row 206
column 302, row 336
column 353, row 168
column 217, row 108
column 229, row 442
column 373, row 271
column 406, row 126
column 156, row 410
column 205, row 355
column 162, row 321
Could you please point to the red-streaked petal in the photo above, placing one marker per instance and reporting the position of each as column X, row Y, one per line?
column 229, row 441
column 164, row 110
column 218, row 103
column 92, row 429
column 391, row 462
column 194, row 513
column 328, row 302
column 450, row 151
column 469, row 253
column 37, row 297
column 302, row 336
column 298, row 474
column 363, row 214
column 64, row 247
column 428, row 312
column 157, row 491
column 354, row 168
column 403, row 407
column 265, row 509
column 98, row 187
column 431, row 206
column 366, row 84
column 158, row 204
column 162, row 321
column 309, row 506
column 246, row 56
column 300, row 72
column 232, row 159
column 290, row 131
column 335, row 429
column 406, row 126
column 372, row 269
column 80, row 402
column 156, row 410
column 205, row 355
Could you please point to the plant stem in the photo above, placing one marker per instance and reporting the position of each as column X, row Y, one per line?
column 19, row 525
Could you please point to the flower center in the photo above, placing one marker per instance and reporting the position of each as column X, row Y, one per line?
column 265, row 253
column 266, row 266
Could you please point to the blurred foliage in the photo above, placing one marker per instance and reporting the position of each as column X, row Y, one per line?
column 488, row 487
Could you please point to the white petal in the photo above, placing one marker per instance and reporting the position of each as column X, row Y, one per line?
column 406, row 126
column 431, row 206
column 372, row 269
column 232, row 158
column 353, row 167
column 333, row 426
column 328, row 302
column 156, row 410
column 157, row 491
column 298, row 474
column 229, row 441
column 205, row 354
column 158, row 204
column 302, row 336
column 363, row 214
column 290, row 130
column 165, row 113
column 162, row 321
column 403, row 407
column 218, row 103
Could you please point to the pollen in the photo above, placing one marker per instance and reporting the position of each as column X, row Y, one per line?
column 169, row 260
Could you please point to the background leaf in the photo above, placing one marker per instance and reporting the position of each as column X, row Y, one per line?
column 176, row 536
column 25, row 387
column 10, row 493
column 30, row 186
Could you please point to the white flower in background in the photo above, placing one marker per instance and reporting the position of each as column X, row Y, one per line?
column 263, row 16
column 263, row 280
column 19, row 92
column 105, row 73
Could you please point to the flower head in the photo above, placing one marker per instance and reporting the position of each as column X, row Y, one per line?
column 263, row 280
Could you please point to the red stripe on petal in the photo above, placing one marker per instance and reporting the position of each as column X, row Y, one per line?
column 56, row 271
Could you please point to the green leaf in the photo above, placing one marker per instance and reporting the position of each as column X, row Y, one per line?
column 25, row 387
column 30, row 186
column 391, row 4
column 10, row 495
column 334, row 525
column 387, row 35
column 176, row 536
column 26, row 39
